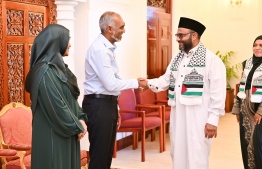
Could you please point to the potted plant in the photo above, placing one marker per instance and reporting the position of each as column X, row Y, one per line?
column 231, row 73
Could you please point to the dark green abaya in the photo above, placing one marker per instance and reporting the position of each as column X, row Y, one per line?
column 56, row 113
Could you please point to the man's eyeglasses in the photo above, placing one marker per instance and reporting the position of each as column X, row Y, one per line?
column 181, row 35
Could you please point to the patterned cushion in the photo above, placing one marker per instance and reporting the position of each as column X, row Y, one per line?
column 19, row 129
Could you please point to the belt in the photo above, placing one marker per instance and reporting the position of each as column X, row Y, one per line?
column 101, row 96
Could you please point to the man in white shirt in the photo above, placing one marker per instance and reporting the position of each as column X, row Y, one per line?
column 102, row 87
column 196, row 80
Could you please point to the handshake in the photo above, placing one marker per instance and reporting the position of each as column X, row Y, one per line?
column 142, row 84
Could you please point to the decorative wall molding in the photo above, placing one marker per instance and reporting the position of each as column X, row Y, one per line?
column 65, row 10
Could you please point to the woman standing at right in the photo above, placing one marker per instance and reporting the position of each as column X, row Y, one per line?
column 248, row 108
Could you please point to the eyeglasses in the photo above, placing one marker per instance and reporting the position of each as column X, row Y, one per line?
column 181, row 35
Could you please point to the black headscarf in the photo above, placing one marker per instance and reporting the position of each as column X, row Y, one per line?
column 47, row 51
column 256, row 62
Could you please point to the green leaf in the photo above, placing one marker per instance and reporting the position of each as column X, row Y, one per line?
column 231, row 69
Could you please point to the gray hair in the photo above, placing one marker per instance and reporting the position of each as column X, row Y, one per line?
column 107, row 19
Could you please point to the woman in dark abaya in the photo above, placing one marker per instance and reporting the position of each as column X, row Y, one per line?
column 248, row 108
column 58, row 121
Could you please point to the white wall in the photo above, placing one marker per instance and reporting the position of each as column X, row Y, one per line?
column 227, row 27
column 130, row 52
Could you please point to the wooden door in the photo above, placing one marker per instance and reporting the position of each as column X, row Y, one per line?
column 159, row 42
column 153, row 66
column 20, row 24
column 165, row 43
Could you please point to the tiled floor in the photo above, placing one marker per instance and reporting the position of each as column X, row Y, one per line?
column 225, row 152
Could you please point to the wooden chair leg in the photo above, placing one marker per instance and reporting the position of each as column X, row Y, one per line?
column 143, row 137
column 115, row 149
column 161, row 138
column 153, row 134
column 135, row 141
column 167, row 127
column 164, row 134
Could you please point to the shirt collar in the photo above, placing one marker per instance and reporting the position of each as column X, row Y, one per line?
column 106, row 42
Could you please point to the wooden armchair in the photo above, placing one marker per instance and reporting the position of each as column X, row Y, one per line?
column 136, row 121
column 148, row 97
column 162, row 98
column 16, row 136
column 16, row 133
column 10, row 153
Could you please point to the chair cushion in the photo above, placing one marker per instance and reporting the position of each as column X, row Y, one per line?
column 137, row 122
column 17, row 130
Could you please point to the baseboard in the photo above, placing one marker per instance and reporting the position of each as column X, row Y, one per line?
column 128, row 141
column 123, row 142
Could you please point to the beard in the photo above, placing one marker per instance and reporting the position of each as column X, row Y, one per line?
column 114, row 37
column 186, row 45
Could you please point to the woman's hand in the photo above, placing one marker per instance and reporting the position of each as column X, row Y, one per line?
column 81, row 135
column 257, row 118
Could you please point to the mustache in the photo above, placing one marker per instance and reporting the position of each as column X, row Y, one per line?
column 181, row 46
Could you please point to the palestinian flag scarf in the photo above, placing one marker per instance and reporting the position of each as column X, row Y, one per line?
column 256, row 82
column 193, row 83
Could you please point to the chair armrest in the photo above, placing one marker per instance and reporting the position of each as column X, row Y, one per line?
column 18, row 153
column 153, row 106
column 161, row 101
column 133, row 111
column 7, row 152
column 137, row 112
column 19, row 146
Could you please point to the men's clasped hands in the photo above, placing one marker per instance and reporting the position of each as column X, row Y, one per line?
column 142, row 84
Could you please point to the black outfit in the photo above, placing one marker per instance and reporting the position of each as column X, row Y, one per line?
column 102, row 116
column 250, row 134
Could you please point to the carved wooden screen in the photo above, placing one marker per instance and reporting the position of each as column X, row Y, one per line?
column 20, row 23
column 164, row 4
